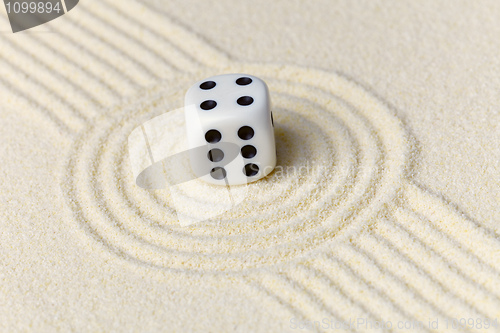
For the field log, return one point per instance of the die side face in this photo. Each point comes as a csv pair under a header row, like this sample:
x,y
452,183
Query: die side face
x,y
232,108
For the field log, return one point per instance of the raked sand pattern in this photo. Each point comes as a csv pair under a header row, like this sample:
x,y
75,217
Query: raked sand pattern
x,y
338,231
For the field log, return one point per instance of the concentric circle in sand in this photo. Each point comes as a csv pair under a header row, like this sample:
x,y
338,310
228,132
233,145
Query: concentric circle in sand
x,y
341,155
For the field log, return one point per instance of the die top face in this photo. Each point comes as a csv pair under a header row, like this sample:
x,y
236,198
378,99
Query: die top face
x,y
228,96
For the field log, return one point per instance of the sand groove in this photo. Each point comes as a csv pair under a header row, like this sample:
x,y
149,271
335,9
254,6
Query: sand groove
x,y
104,20
156,37
418,276
55,79
481,242
371,266
372,299
484,300
462,261
187,43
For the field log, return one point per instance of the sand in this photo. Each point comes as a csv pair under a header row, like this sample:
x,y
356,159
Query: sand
x,y
382,214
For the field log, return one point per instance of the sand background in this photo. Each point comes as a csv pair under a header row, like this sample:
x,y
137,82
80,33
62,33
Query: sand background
x,y
435,64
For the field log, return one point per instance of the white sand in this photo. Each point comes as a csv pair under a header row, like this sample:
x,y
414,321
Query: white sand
x,y
387,113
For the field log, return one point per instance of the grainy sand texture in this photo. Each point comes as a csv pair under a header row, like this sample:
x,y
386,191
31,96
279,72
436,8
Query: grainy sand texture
x,y
382,214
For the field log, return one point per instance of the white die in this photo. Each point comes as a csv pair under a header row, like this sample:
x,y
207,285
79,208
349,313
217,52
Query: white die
x,y
230,116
